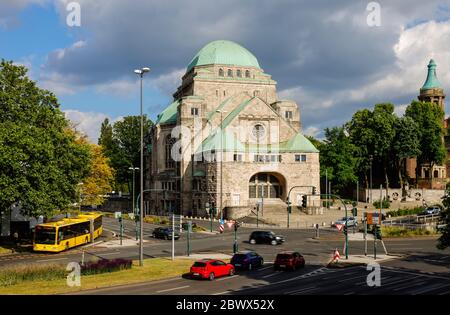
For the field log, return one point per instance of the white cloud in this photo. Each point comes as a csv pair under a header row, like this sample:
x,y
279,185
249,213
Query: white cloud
x,y
88,123
312,131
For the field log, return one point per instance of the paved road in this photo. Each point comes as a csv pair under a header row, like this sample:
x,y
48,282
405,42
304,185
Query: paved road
x,y
313,279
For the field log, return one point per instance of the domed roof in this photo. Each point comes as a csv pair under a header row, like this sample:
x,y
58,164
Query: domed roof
x,y
432,80
223,52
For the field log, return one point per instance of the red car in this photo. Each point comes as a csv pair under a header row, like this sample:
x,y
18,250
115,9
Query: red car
x,y
289,260
211,268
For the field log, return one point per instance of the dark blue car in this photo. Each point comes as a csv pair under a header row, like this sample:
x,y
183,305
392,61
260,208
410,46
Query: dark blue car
x,y
247,260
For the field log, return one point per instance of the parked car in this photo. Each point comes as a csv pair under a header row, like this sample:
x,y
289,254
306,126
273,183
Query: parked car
x,y
289,260
165,233
350,222
211,269
265,237
431,210
247,260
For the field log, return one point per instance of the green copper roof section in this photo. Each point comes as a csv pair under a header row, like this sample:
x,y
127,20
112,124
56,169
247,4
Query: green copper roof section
x,y
199,174
299,143
432,81
223,52
227,120
169,115
213,142
220,107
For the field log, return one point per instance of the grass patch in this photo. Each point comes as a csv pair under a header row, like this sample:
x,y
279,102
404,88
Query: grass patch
x,y
5,251
395,231
153,269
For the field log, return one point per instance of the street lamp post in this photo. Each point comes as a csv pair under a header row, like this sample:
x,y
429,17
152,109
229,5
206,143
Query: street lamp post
x,y
221,161
141,73
370,159
134,206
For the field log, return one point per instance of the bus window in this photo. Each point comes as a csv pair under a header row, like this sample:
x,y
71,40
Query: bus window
x,y
45,235
97,223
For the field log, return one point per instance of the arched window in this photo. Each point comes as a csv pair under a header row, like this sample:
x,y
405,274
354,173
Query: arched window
x,y
230,72
169,142
221,73
436,174
239,73
247,73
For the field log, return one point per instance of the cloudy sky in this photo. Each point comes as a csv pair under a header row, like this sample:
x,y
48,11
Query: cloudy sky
x,y
327,57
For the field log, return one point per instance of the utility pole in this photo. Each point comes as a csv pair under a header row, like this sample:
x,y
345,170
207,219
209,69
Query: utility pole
x,y
326,186
134,205
141,73
173,234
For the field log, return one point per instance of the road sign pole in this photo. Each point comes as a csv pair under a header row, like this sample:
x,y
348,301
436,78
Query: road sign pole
x,y
173,235
365,233
189,238
257,215
121,230
375,243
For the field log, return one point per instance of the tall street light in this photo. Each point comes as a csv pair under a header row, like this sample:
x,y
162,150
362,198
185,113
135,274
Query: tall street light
x,y
134,206
141,73
221,161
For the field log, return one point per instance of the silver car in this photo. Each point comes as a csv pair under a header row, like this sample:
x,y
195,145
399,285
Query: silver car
x,y
351,221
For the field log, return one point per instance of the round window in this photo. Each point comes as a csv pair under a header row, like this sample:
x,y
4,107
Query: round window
x,y
258,131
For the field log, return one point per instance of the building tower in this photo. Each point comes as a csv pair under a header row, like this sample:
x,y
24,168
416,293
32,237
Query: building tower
x,y
432,91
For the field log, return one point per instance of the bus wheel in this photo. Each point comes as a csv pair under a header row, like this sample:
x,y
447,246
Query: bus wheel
x,y
87,240
67,246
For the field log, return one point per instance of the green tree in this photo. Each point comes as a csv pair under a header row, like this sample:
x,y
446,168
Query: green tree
x,y
122,146
382,125
106,137
41,163
404,145
429,118
363,138
337,157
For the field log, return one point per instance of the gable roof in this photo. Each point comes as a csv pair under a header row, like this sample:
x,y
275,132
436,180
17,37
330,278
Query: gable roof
x,y
169,115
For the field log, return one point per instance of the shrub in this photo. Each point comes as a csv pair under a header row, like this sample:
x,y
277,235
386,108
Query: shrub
x,y
106,265
404,212
385,204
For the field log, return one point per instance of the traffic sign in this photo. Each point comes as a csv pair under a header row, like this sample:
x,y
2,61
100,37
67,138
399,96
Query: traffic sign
x,y
117,214
221,228
339,227
373,218
230,224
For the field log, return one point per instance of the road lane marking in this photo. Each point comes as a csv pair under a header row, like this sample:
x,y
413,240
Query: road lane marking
x,y
265,268
430,288
173,289
221,293
271,274
54,259
300,291
230,277
352,278
417,275
106,254
409,285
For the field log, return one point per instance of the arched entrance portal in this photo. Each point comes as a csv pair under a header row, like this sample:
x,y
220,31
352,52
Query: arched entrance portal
x,y
265,185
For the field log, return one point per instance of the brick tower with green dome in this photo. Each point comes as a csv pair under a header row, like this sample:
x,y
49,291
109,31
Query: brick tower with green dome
x,y
432,91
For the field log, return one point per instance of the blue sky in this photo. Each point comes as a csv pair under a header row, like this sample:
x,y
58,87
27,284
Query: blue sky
x,y
324,56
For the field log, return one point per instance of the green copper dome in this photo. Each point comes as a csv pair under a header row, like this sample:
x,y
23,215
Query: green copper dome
x,y
432,81
224,52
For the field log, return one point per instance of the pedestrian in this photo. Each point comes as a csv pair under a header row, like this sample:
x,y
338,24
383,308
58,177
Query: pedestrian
x,y
16,238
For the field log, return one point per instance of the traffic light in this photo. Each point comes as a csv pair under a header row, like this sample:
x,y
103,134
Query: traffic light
x,y
355,212
304,201
377,232
314,190
289,208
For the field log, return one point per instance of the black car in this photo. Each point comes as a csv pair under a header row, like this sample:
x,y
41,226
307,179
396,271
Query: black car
x,y
165,233
247,260
265,237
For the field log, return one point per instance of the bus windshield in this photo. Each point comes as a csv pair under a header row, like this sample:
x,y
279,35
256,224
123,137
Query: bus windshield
x,y
45,235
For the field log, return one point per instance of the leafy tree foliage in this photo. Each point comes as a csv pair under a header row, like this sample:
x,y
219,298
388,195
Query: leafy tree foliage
x,y
444,240
41,162
121,144
337,157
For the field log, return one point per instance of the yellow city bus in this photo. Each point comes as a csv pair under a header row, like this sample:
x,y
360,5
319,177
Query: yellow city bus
x,y
66,233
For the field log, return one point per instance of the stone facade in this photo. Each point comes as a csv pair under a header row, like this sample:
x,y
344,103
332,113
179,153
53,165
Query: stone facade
x,y
227,140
